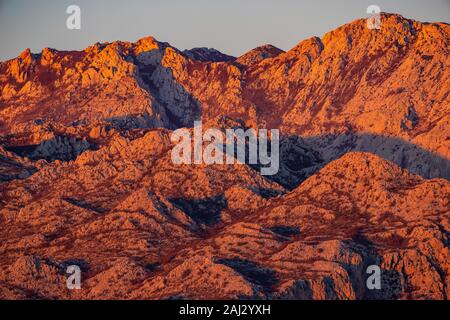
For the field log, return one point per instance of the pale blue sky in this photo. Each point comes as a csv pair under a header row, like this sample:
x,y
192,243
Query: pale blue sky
x,y
232,26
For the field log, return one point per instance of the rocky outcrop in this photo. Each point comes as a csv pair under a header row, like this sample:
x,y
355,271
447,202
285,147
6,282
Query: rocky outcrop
x,y
207,55
57,148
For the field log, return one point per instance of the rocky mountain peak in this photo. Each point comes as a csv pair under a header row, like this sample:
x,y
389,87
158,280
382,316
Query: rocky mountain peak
x,y
259,54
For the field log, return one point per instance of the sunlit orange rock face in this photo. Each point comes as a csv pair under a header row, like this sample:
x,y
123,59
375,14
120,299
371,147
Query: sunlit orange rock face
x,y
86,176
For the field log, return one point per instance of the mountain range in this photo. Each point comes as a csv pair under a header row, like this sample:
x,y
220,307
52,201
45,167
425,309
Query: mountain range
x,y
86,175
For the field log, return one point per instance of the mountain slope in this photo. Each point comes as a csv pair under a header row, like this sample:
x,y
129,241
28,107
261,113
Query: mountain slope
x,y
314,242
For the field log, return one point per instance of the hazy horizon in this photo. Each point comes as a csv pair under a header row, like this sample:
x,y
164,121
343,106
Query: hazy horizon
x,y
234,27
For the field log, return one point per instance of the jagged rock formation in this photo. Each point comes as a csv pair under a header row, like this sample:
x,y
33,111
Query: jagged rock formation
x,y
341,91
207,54
86,175
255,56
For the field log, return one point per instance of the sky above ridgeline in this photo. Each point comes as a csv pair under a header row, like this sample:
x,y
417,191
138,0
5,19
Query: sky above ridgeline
x,y
231,26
